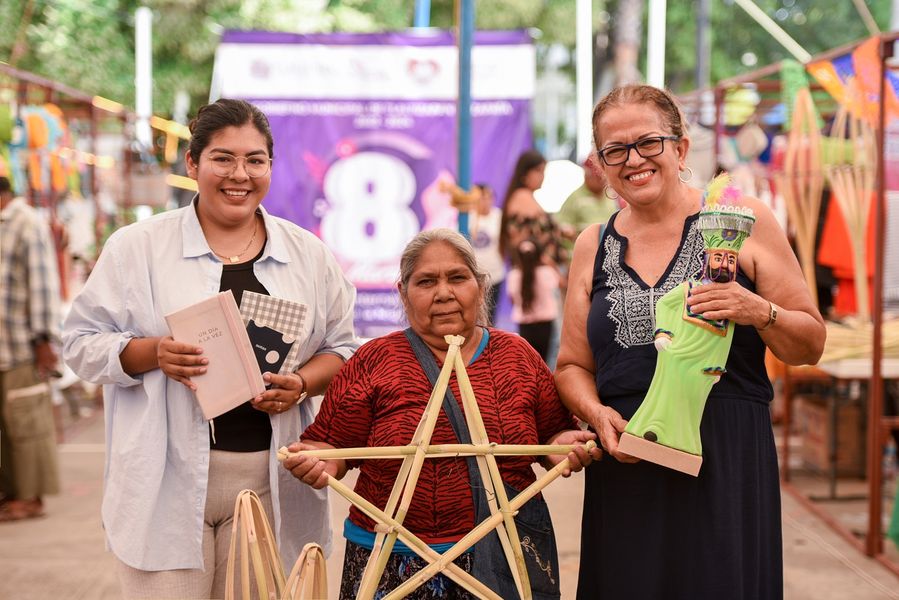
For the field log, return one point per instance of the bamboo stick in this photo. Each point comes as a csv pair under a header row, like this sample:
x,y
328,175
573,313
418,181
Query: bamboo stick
x,y
432,451
412,466
452,570
251,530
476,534
493,481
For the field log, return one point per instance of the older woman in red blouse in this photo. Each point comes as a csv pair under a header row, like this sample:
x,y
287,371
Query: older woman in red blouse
x,y
379,396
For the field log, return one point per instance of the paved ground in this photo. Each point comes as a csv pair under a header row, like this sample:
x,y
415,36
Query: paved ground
x,y
62,556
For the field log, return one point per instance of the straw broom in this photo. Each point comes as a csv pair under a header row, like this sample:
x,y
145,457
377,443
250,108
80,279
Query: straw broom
x,y
802,182
852,183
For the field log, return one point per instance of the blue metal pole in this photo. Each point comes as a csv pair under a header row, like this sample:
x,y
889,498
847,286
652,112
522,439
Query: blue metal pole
x,y
463,107
422,13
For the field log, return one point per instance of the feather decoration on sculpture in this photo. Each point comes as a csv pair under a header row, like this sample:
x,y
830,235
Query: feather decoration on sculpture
x,y
722,210
715,189
721,190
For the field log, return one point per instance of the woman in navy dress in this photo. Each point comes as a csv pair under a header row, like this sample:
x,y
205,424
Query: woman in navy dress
x,y
650,532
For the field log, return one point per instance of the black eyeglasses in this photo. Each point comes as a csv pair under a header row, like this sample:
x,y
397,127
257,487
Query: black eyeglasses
x,y
617,154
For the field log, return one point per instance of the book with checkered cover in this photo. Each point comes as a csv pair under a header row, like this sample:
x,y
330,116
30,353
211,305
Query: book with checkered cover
x,y
282,316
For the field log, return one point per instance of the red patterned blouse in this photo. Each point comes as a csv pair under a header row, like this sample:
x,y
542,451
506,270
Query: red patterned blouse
x,y
379,396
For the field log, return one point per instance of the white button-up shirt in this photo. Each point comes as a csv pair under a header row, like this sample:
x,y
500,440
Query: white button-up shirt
x,y
157,441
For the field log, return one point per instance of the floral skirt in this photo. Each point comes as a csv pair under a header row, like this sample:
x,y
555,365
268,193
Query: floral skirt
x,y
400,567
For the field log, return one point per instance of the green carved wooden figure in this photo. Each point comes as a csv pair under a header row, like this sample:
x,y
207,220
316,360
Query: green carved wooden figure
x,y
692,350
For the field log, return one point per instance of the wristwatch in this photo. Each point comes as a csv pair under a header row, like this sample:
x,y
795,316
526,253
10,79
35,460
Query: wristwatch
x,y
772,316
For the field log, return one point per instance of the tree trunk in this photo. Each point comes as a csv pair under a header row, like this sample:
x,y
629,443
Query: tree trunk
x,y
628,34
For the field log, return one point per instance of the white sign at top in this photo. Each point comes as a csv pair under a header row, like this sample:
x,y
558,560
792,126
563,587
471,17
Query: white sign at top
x,y
309,71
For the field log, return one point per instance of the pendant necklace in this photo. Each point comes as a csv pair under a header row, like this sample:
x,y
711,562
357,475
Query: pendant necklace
x,y
236,258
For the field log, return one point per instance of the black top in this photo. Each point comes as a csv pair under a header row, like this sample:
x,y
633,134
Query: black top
x,y
244,428
622,311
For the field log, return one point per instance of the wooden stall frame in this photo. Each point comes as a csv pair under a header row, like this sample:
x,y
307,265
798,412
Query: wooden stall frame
x,y
97,108
878,425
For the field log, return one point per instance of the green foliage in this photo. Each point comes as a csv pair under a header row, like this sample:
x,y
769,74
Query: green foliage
x,y
815,25
89,44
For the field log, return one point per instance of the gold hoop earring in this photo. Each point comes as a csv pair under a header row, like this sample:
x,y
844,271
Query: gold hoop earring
x,y
610,192
689,177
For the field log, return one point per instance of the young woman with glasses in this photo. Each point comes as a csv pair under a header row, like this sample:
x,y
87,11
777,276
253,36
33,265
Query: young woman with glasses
x,y
171,477
647,531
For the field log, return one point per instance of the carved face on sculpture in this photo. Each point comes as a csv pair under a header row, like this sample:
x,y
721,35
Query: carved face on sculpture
x,y
721,266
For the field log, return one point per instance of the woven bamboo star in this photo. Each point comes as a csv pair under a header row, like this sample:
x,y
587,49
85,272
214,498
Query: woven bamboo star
x,y
389,522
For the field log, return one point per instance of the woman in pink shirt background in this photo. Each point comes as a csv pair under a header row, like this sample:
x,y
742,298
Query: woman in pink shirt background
x,y
533,284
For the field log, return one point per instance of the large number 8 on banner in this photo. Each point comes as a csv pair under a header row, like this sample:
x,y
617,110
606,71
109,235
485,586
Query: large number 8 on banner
x,y
370,219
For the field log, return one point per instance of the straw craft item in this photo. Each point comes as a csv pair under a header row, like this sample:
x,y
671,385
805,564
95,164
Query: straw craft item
x,y
852,177
258,550
802,182
309,577
389,522
853,339
464,202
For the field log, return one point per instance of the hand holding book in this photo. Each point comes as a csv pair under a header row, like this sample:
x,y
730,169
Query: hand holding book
x,y
285,392
232,376
215,356
180,361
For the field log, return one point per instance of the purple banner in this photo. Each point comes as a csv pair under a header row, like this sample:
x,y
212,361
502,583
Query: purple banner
x,y
363,174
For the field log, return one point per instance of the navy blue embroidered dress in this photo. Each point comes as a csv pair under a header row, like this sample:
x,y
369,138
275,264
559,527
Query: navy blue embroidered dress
x,y
650,532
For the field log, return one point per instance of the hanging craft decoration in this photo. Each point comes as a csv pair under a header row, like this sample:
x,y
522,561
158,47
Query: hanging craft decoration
x,y
389,522
693,350
851,173
802,182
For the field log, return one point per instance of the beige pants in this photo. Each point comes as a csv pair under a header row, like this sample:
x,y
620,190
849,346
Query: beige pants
x,y
29,456
229,474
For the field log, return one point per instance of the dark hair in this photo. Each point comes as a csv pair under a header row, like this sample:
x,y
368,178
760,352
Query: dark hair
x,y
483,187
528,256
5,185
529,160
662,100
455,240
226,112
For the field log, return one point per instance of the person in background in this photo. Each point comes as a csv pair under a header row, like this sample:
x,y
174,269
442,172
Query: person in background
x,y
485,241
533,285
586,205
170,485
647,531
523,218
377,399
29,328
